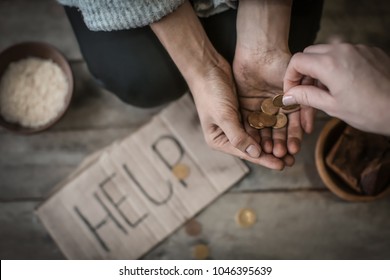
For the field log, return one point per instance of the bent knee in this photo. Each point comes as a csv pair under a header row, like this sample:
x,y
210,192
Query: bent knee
x,y
143,93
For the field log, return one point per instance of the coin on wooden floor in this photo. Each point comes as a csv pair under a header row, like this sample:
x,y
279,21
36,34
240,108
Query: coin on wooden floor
x,y
254,120
268,107
281,121
200,252
294,107
267,120
193,227
245,217
278,101
181,171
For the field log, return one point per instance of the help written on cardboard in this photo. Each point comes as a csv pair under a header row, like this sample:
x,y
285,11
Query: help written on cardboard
x,y
125,199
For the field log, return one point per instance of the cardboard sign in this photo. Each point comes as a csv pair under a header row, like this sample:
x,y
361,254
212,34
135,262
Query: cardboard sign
x,y
125,199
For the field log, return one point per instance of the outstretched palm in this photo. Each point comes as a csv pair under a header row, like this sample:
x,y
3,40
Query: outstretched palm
x,y
219,114
260,77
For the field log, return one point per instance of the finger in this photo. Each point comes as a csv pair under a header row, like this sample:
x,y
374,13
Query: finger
x,y
289,160
307,115
266,160
294,133
254,133
239,138
279,138
266,140
310,96
320,48
304,64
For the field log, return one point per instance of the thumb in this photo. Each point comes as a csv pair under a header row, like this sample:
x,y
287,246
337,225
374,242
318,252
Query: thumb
x,y
308,95
240,139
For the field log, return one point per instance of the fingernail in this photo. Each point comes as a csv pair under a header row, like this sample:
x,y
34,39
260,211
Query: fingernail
x,y
288,100
253,151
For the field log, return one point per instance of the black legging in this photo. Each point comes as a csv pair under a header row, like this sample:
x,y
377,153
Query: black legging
x,y
135,66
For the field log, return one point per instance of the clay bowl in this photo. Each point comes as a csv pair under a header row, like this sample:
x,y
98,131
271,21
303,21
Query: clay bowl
x,y
328,137
40,50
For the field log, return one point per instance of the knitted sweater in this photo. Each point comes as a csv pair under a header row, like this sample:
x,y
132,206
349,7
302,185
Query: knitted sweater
x,y
108,15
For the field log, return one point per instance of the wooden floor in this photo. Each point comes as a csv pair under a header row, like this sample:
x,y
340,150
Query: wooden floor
x,y
298,218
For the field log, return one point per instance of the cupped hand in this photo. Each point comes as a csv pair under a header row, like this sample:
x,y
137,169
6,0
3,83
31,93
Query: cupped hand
x,y
216,101
259,76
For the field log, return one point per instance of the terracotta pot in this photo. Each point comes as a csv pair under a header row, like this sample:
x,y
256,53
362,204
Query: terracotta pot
x,y
328,137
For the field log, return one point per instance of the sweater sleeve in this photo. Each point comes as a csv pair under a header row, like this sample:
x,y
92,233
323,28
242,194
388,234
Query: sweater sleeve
x,y
206,8
108,15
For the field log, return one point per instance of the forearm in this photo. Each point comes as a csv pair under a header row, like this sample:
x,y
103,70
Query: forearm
x,y
182,35
263,25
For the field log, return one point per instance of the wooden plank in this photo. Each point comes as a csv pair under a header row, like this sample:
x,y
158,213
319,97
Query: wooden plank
x,y
291,225
44,20
31,166
22,236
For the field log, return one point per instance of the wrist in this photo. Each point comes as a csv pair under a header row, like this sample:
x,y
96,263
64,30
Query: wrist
x,y
261,60
263,25
182,35
196,64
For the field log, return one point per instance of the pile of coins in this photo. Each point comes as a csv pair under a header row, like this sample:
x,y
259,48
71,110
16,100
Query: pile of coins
x,y
269,115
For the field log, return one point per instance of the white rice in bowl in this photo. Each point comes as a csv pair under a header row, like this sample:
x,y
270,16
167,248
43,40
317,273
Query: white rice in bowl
x,y
32,92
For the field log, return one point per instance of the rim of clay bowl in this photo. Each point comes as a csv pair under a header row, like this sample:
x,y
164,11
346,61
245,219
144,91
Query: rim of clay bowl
x,y
333,182
41,50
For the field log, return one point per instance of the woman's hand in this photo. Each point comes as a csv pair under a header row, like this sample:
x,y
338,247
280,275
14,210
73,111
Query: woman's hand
x,y
352,83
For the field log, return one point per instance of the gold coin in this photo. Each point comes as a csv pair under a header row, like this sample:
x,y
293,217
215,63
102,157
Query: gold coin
x,y
267,120
294,107
278,101
281,121
193,227
268,107
181,171
246,217
200,252
254,120
260,125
